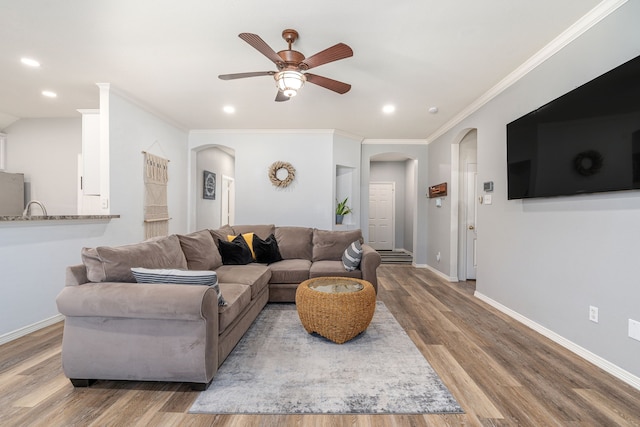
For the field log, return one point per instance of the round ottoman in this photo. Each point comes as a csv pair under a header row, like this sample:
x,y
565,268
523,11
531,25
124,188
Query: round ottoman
x,y
338,308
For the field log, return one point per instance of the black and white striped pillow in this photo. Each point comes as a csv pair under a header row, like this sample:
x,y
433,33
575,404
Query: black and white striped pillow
x,y
179,277
352,256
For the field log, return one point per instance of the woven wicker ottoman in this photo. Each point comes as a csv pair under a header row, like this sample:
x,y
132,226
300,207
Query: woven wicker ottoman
x,y
338,308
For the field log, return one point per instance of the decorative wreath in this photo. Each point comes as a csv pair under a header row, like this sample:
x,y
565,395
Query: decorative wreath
x,y
588,162
273,174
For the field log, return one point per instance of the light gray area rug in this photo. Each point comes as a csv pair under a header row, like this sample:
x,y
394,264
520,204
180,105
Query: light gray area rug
x,y
278,368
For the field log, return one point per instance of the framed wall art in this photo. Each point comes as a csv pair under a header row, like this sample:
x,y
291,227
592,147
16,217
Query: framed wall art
x,y
209,185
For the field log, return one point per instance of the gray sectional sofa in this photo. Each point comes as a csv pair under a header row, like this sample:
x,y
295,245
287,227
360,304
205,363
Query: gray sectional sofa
x,y
117,329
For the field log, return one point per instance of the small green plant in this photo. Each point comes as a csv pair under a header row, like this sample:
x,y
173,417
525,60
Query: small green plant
x,y
342,208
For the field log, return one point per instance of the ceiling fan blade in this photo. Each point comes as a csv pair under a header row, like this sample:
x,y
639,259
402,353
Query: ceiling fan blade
x,y
333,53
328,83
244,75
261,46
280,97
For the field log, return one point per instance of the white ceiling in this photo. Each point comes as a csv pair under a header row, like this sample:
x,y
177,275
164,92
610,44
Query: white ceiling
x,y
167,54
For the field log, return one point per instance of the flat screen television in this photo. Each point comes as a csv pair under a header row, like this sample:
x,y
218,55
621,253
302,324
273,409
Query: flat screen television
x,y
586,141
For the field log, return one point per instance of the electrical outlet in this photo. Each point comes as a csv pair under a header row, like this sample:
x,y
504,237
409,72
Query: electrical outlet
x,y
104,203
634,329
438,257
593,314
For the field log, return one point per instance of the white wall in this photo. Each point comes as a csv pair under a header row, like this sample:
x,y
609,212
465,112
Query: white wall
x,y
133,130
549,259
308,201
46,151
346,160
33,255
214,160
411,197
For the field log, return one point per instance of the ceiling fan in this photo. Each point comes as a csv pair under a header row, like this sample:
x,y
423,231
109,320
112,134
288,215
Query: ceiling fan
x,y
291,64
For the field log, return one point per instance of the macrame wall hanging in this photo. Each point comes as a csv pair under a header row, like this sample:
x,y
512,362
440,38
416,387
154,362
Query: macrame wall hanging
x,y
156,209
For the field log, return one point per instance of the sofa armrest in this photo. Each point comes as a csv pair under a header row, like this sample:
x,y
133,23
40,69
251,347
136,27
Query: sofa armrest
x,y
139,300
76,275
368,265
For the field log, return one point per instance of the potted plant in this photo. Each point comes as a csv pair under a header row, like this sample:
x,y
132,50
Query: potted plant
x,y
341,210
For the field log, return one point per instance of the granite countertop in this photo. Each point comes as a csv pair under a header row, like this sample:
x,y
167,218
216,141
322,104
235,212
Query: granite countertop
x,y
19,218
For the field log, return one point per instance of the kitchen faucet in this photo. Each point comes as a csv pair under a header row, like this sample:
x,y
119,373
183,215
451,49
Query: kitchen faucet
x,y
27,211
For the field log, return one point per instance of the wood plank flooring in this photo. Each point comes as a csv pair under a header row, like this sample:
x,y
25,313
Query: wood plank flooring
x,y
501,372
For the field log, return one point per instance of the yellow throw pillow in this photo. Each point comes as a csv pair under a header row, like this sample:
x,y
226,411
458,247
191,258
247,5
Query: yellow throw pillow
x,y
248,237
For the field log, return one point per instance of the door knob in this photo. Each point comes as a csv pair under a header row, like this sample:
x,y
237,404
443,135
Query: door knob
x,y
471,227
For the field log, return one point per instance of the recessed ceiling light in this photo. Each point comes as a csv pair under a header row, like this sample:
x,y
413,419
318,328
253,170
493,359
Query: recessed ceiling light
x,y
433,110
229,109
30,62
388,109
49,94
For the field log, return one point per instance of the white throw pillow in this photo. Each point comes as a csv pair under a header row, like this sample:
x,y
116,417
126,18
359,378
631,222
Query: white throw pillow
x,y
179,277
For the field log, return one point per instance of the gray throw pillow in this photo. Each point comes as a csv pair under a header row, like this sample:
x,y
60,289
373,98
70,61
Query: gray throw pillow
x,y
352,256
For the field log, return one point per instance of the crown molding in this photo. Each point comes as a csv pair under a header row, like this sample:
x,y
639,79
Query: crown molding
x,y
394,141
142,105
261,131
582,25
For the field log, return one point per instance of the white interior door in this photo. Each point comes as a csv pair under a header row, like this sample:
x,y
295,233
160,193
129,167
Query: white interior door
x,y
227,207
381,215
471,192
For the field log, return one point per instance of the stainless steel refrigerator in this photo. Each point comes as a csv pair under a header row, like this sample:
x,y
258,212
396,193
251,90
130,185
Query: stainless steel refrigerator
x,y
11,194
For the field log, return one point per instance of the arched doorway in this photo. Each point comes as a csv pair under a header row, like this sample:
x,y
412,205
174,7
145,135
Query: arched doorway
x,y
213,212
464,175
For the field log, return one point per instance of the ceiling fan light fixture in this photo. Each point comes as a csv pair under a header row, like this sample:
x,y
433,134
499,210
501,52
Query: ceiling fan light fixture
x,y
289,82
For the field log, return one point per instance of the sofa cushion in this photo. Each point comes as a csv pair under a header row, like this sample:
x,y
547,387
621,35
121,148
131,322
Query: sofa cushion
x,y
295,242
332,268
253,275
238,298
290,271
352,256
266,251
221,233
262,230
200,250
329,245
179,277
235,252
113,264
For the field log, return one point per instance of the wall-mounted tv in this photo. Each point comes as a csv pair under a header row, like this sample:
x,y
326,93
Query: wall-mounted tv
x,y
586,141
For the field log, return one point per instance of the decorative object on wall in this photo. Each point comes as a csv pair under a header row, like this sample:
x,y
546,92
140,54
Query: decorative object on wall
x,y
209,185
281,181
156,208
341,210
439,190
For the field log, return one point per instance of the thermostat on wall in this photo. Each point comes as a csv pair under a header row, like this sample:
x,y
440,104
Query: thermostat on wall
x,y
488,186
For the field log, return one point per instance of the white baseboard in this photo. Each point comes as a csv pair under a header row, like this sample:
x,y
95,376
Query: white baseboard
x,y
604,364
438,272
10,336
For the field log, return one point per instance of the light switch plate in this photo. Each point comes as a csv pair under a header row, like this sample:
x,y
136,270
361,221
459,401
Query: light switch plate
x,y
634,329
487,199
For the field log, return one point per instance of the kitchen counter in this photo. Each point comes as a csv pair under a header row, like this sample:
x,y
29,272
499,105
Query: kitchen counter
x,y
19,218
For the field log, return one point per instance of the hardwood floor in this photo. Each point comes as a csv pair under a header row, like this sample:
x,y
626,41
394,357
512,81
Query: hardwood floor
x,y
501,372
